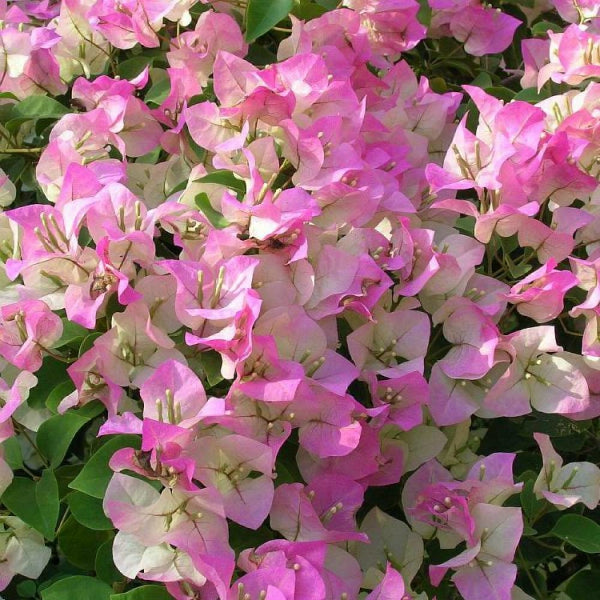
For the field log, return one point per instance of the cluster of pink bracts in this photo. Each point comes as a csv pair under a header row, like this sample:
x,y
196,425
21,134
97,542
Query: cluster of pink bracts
x,y
338,276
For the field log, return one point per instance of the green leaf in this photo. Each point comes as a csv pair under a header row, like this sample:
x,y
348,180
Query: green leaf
x,y
438,85
516,270
211,365
88,511
579,586
226,178
541,28
261,15
39,107
43,126
36,504
483,80
46,497
51,373
425,12
88,342
579,531
58,394
132,67
158,93
105,566
531,95
145,592
242,537
95,475
72,332
13,125
12,453
78,587
308,10
80,544
500,92
260,56
150,158
556,426
20,488
90,410
531,505
460,65
56,434
64,475
27,589
466,225
216,219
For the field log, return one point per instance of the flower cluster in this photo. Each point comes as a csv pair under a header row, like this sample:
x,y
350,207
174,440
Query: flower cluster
x,y
268,308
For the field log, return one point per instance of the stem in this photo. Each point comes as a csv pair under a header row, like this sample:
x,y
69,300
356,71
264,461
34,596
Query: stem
x,y
62,521
23,430
21,150
534,585
59,357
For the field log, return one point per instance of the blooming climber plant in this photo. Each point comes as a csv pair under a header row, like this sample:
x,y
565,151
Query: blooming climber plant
x,y
299,299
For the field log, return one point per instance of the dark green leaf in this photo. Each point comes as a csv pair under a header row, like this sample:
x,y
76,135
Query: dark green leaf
x,y
56,434
145,592
531,505
483,80
13,125
80,544
132,67
553,425
531,95
88,511
261,15
579,531
38,107
242,537
104,565
64,475
58,394
541,28
502,93
12,453
72,332
50,375
27,589
88,342
580,585
46,497
36,504
78,587
308,10
43,126
260,56
90,410
95,475
204,206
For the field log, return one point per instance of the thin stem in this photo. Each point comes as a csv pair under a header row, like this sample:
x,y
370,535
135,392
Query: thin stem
x,y
534,585
23,430
21,150
59,357
63,520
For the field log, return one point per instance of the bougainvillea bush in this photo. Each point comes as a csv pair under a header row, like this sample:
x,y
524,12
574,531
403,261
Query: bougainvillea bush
x,y
299,300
